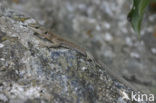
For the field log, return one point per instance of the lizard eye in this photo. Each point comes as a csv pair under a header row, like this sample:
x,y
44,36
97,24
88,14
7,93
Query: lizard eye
x,y
37,27
46,32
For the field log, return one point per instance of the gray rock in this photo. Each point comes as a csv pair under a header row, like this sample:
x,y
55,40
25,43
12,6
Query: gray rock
x,y
33,74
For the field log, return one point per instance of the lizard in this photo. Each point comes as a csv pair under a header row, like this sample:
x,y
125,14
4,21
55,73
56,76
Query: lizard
x,y
57,41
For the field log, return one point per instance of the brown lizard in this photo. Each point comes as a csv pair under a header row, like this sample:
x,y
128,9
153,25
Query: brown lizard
x,y
57,41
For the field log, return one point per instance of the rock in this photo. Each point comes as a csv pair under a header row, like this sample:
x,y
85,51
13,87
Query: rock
x,y
33,74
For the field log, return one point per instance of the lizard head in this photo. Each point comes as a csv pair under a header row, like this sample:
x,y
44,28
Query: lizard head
x,y
38,29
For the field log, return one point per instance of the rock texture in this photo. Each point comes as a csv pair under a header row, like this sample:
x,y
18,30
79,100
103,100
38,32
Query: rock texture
x,y
102,27
33,74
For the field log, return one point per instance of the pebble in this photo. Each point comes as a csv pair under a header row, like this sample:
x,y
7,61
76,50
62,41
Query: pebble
x,y
153,50
83,68
109,54
82,6
1,45
98,28
2,59
3,98
150,29
152,18
129,41
106,25
108,37
69,7
134,55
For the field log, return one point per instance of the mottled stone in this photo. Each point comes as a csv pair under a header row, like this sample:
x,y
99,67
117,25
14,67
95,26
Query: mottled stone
x,y
31,73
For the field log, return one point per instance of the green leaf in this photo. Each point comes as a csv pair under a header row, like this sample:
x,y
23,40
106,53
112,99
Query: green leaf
x,y
136,14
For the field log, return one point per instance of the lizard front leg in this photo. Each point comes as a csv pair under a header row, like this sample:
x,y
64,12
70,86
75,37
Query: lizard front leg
x,y
49,44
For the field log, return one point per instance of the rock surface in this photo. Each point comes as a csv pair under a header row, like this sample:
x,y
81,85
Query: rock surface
x,y
102,27
33,74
